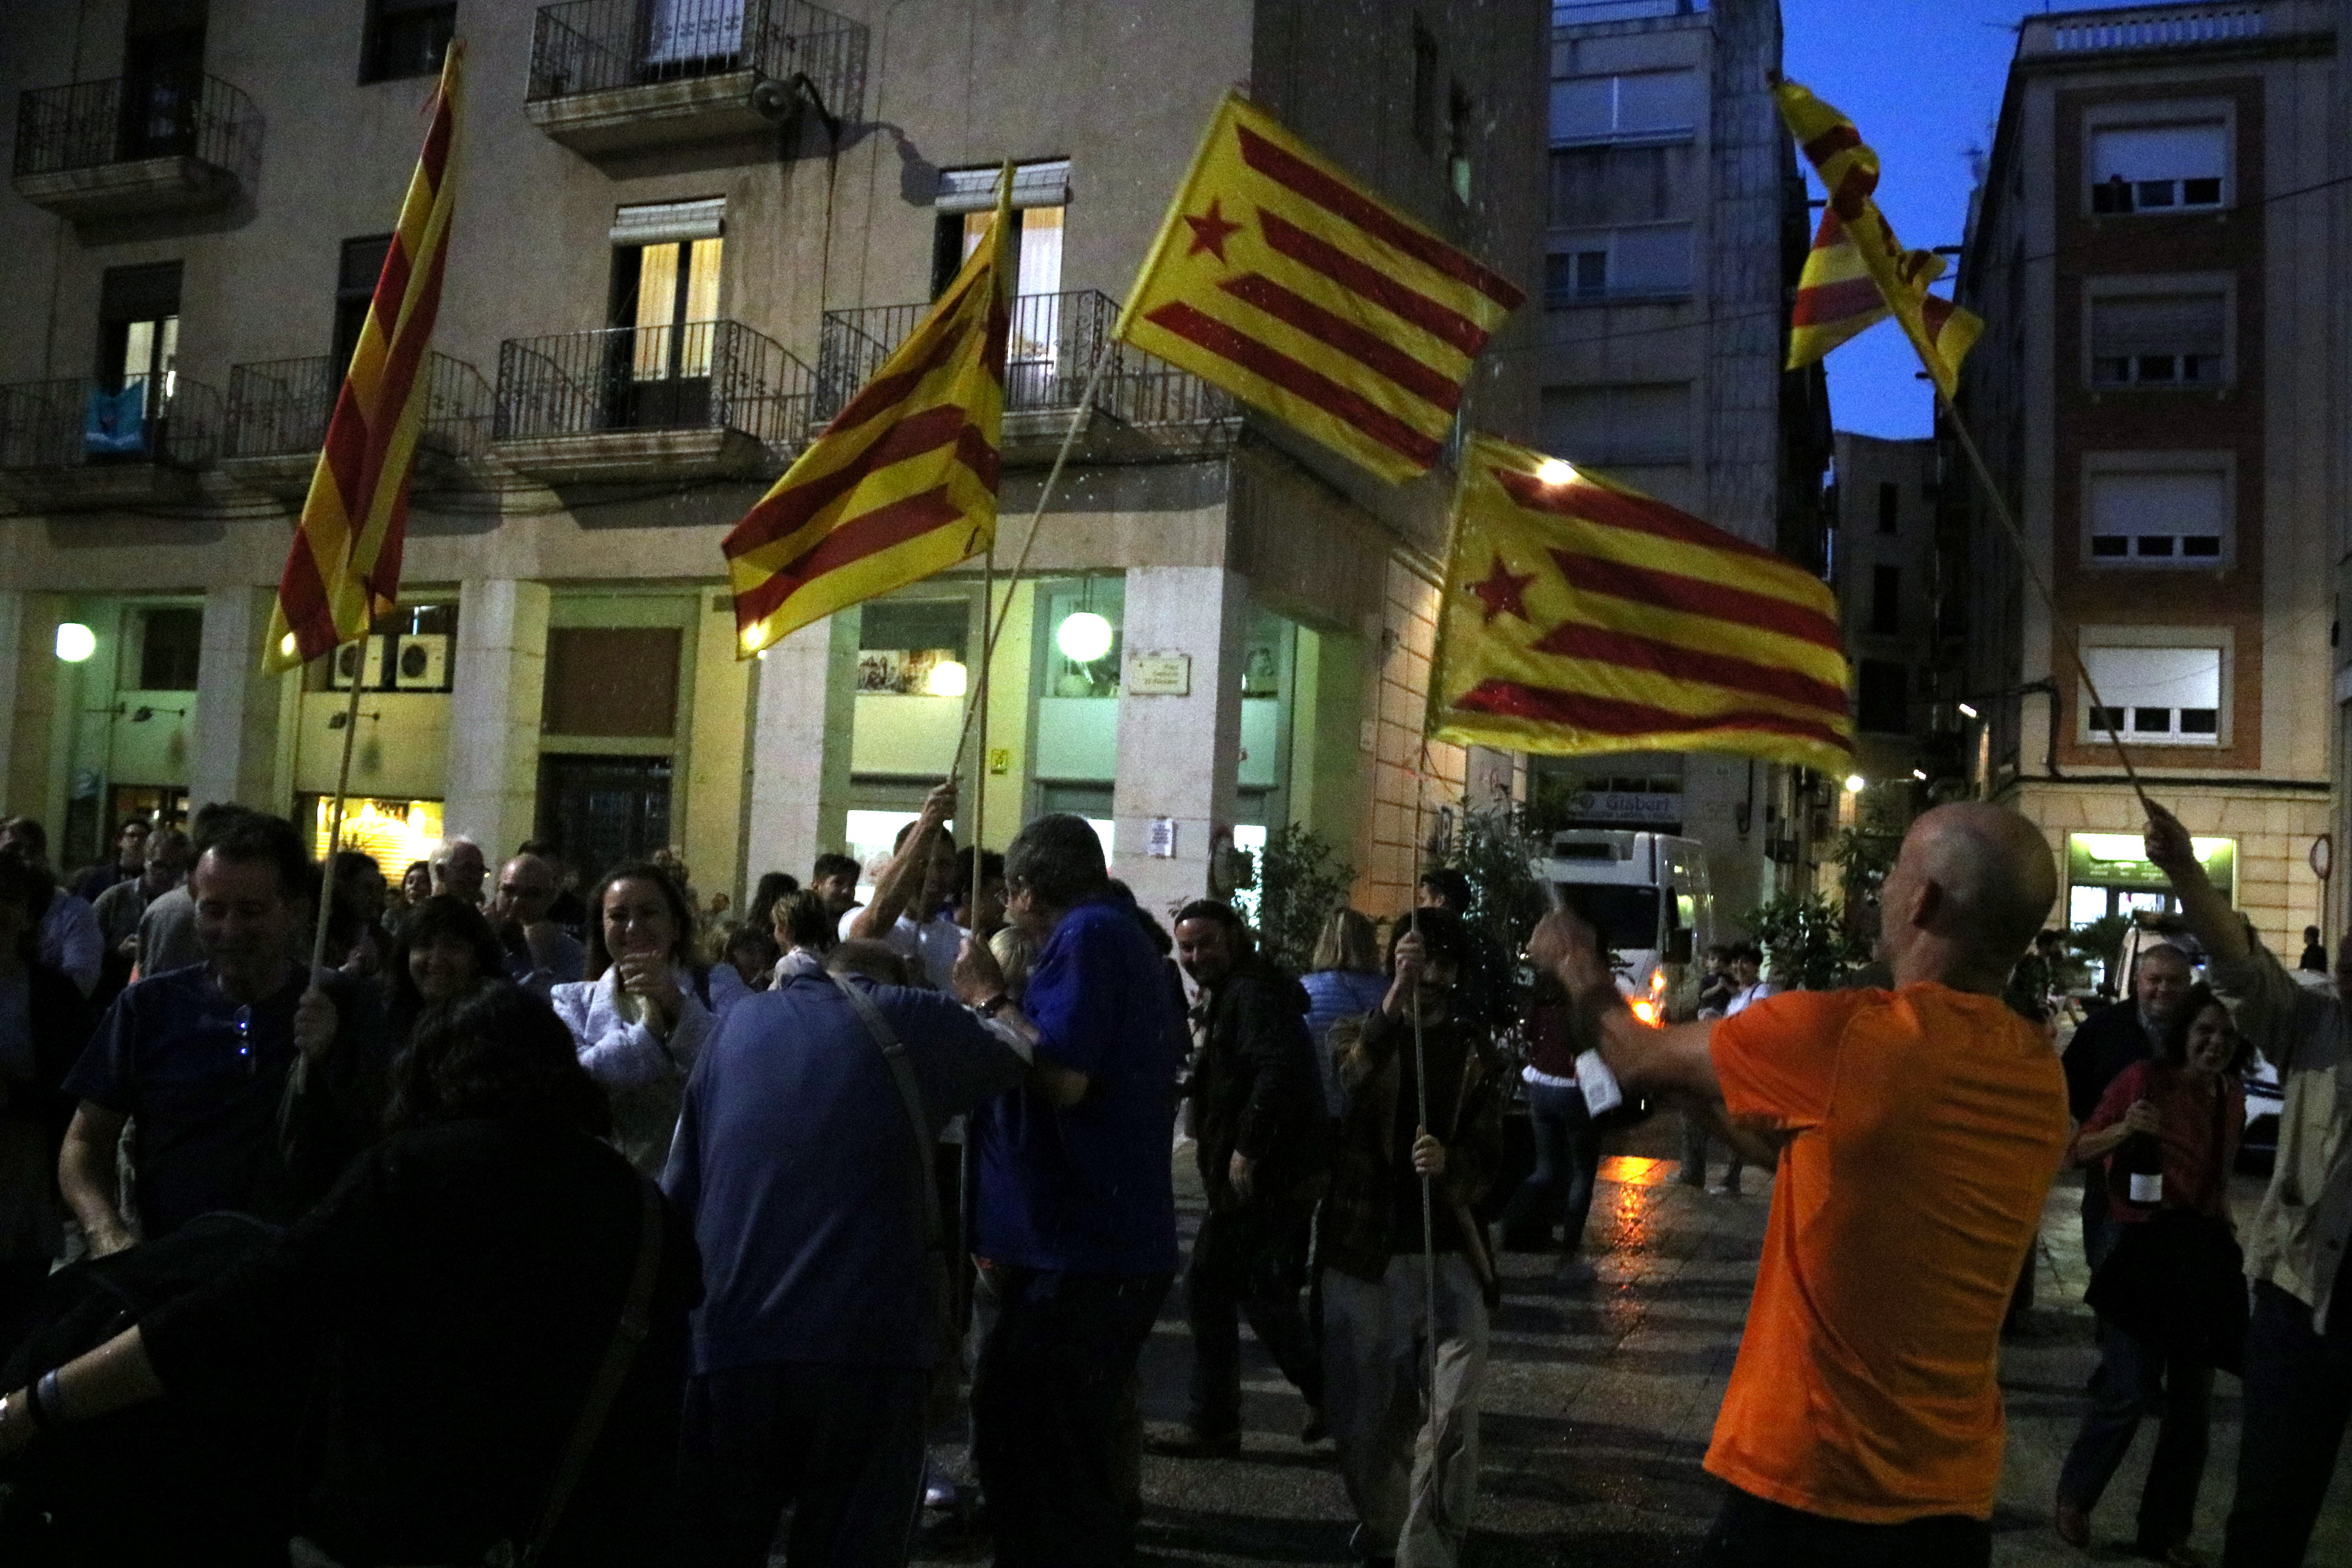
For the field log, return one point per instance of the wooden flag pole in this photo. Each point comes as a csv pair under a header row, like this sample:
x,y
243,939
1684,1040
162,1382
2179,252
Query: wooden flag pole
x,y
1421,1121
2042,587
335,817
980,757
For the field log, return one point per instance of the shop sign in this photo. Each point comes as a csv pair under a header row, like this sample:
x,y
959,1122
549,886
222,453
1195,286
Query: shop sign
x,y
2120,860
1642,809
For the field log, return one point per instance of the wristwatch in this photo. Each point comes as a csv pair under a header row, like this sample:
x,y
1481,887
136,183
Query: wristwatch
x,y
993,1006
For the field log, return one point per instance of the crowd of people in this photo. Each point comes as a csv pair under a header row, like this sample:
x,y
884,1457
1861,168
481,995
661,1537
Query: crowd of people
x,y
588,1229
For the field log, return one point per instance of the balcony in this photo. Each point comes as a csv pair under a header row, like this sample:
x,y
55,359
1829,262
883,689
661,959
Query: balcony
x,y
170,142
627,405
69,445
1144,405
617,76
278,409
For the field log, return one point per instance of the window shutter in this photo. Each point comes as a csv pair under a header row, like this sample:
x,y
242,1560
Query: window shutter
x,y
2136,153
1044,184
2131,325
664,221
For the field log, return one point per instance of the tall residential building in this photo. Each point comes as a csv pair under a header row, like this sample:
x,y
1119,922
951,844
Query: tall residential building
x,y
2157,253
1884,568
686,231
1679,224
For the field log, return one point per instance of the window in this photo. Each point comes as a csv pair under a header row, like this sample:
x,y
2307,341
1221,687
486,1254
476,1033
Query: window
x,y
170,638
406,37
966,199
1606,186
1885,600
355,278
2160,518
2159,168
2170,696
665,259
1424,88
1652,262
2160,340
612,680
1890,505
691,38
1883,704
1621,424
1461,117
1610,107
138,355
914,648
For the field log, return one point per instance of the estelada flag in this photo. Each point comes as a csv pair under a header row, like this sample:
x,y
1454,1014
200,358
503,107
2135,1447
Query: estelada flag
x,y
1579,616
344,570
902,483
1284,281
1858,273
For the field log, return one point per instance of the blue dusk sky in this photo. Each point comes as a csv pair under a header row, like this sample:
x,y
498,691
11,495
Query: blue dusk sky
x,y
1922,82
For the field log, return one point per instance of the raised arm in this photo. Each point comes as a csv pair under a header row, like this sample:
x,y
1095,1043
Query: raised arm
x,y
2209,914
902,878
1676,1059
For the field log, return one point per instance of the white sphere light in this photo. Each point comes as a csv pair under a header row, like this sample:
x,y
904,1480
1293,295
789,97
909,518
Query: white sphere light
x,y
76,642
1083,638
947,678
1553,472
1855,783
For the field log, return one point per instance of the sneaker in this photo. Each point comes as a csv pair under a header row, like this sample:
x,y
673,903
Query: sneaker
x,y
1725,1189
2073,1521
1195,1445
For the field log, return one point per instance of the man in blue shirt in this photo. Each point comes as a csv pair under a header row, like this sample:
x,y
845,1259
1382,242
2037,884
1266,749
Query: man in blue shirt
x,y
203,1058
815,1344
1074,1217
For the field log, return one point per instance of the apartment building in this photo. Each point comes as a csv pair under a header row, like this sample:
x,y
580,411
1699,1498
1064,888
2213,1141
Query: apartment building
x,y
2158,258
687,231
1677,224
1882,565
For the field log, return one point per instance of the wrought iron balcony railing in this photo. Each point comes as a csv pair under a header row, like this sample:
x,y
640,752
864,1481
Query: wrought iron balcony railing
x,y
594,46
693,375
74,421
122,120
280,408
1049,356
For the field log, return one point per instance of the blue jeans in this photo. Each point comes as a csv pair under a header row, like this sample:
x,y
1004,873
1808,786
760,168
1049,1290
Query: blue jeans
x,y
1568,1157
1751,1533
2298,1393
2137,1378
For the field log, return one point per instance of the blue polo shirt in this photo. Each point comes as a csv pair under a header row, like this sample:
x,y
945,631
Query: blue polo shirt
x,y
1088,1189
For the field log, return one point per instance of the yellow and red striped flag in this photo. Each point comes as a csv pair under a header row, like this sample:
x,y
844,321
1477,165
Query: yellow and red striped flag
x,y
902,483
344,570
1284,281
1579,616
1858,273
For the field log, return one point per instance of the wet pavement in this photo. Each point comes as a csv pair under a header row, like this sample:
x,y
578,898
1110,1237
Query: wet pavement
x,y
1600,1399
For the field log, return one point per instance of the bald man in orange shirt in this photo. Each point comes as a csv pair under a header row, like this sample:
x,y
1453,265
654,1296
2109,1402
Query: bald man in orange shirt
x,y
1917,1132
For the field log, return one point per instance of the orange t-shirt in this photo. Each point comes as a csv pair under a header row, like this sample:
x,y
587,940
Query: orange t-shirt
x,y
1928,1123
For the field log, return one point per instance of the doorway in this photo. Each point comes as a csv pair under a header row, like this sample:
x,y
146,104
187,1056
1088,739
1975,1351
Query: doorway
x,y
602,812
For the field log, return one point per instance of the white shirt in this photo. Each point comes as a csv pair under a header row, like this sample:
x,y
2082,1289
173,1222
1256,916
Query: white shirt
x,y
932,945
71,941
646,1074
1756,993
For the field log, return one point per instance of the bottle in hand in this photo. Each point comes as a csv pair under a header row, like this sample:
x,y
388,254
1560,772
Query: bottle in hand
x,y
2139,1170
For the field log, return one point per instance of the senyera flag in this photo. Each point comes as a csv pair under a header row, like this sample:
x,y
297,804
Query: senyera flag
x,y
344,570
903,482
1857,272
1579,616
1281,279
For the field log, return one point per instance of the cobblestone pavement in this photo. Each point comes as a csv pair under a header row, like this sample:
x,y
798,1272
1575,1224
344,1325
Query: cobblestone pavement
x,y
1600,1400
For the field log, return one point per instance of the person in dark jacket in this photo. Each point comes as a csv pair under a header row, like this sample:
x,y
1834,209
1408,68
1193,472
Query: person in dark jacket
x,y
1263,1144
459,1289
2111,1040
43,1022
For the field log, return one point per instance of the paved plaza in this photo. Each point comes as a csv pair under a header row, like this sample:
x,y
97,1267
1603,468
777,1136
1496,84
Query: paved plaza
x,y
1600,1400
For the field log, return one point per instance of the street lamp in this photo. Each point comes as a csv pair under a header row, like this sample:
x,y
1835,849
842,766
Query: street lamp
x,y
1083,638
1855,784
76,642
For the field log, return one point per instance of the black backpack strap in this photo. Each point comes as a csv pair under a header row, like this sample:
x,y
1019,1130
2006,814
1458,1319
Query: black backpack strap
x,y
620,1353
927,1187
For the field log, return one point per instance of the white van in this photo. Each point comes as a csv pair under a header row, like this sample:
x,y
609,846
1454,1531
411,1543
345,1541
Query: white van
x,y
1647,895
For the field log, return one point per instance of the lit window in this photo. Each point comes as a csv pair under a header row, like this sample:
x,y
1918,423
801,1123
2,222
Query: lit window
x,y
665,261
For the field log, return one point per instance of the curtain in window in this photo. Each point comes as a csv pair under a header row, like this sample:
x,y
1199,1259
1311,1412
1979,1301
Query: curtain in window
x,y
688,32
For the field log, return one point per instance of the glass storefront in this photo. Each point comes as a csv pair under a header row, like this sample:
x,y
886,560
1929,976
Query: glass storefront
x,y
2109,873
396,832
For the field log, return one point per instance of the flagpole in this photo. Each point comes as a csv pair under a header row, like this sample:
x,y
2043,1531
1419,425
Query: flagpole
x,y
335,817
2041,586
1420,1091
980,757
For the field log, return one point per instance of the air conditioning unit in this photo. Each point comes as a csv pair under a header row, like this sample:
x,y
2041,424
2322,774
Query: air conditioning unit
x,y
347,664
422,663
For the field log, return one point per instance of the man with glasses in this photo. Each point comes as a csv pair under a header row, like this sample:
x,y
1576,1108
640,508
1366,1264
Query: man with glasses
x,y
205,1058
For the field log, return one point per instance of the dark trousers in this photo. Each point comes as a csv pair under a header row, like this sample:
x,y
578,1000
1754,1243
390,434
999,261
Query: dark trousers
x,y
1753,1533
1246,1263
1568,1161
2138,1377
841,1446
2298,1393
1048,1404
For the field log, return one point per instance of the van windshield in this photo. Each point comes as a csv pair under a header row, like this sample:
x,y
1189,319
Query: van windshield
x,y
1625,917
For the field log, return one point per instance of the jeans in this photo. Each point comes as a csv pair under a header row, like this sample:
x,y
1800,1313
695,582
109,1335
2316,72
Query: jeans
x,y
2137,1378
1695,1128
1411,1468
2298,1393
1050,1411
1246,1261
841,1446
1568,1157
1751,1533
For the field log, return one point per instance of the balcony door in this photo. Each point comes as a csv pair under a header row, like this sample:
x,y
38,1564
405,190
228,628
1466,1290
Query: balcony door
x,y
137,350
1035,357
665,310
691,38
163,78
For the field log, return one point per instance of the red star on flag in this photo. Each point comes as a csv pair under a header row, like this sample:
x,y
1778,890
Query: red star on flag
x,y
1210,230
1504,591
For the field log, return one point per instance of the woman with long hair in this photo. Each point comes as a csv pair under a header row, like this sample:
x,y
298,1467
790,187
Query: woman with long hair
x,y
1343,980
445,952
2186,1102
458,1292
640,1019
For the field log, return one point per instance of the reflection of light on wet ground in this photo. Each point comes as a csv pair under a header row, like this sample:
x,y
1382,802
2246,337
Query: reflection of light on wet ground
x,y
1636,1173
